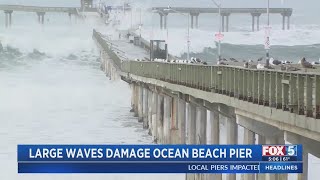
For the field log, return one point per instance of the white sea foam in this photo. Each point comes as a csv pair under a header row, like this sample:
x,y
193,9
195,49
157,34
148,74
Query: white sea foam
x,y
200,39
59,100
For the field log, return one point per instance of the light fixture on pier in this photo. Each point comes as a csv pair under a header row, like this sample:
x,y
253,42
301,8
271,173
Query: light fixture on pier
x,y
267,36
219,35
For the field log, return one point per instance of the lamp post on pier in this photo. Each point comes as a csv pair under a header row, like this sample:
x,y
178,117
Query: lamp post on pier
x,y
219,36
267,34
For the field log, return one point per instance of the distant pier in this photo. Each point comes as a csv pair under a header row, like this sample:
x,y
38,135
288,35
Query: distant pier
x,y
225,14
86,6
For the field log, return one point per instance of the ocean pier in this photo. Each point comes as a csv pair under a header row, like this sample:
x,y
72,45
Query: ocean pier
x,y
225,14
86,6
172,101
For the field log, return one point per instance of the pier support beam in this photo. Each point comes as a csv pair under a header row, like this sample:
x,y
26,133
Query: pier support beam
x,y
167,119
149,107
309,146
154,106
174,121
182,120
145,108
191,123
258,23
8,18
70,17
140,103
197,21
132,86
201,132
161,20
201,125
277,139
260,128
261,140
283,22
267,135
249,138
191,131
304,175
232,130
222,23
252,26
135,99
225,22
160,109
191,24
284,16
194,24
232,138
165,21
254,16
215,138
41,17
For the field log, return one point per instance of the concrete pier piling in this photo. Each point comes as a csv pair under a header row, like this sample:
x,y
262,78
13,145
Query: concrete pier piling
x,y
140,103
161,21
165,20
309,147
145,108
132,97
8,18
167,119
182,120
254,17
201,125
261,140
285,16
225,22
249,138
215,138
232,130
149,107
194,22
304,175
160,116
174,122
154,107
191,130
41,17
136,100
191,123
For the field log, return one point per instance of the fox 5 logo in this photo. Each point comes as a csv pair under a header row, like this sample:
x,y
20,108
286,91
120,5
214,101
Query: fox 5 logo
x,y
279,150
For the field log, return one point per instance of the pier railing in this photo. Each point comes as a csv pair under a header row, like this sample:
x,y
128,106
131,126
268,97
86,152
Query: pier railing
x,y
107,48
296,92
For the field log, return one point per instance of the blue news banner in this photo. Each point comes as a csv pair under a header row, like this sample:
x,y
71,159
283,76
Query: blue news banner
x,y
159,159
